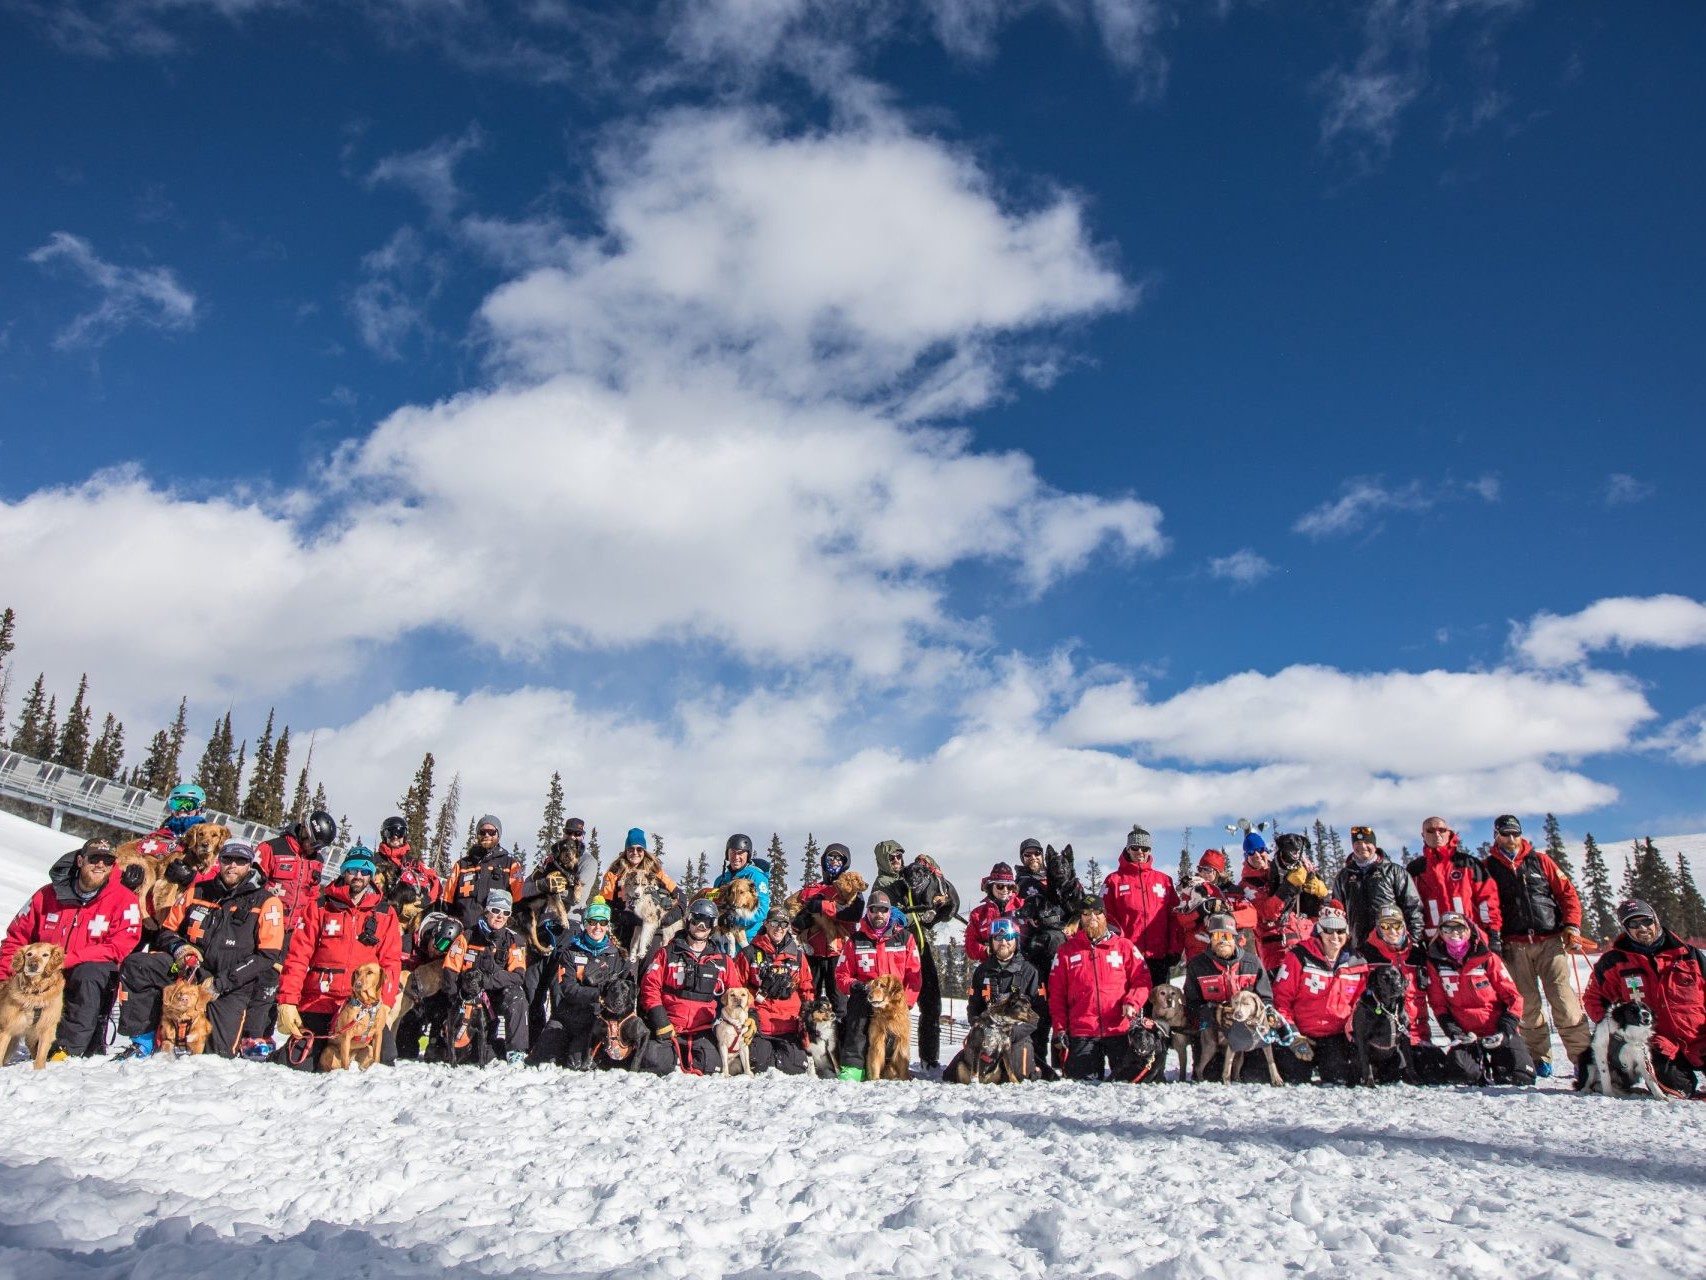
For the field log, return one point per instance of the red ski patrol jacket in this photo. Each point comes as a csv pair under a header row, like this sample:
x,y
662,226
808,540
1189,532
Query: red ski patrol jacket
x,y
681,986
1671,982
106,928
1091,984
1317,997
1476,992
337,937
868,955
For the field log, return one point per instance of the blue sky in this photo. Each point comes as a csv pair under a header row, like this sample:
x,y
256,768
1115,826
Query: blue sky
x,y
954,421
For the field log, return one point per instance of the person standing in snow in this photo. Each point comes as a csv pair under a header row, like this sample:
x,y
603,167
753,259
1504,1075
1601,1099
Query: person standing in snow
x,y
1369,882
922,894
398,863
1449,880
97,922
1142,904
1540,919
820,900
635,856
486,866
882,944
1000,902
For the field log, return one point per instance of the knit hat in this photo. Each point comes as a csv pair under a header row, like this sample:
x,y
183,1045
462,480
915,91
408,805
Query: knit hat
x,y
1634,909
1253,843
487,820
1029,843
1137,838
357,859
597,909
1507,824
635,837
1000,873
1221,923
1214,859
501,899
1365,834
1332,918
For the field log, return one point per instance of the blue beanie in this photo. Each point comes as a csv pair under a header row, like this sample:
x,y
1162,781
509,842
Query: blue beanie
x,y
635,837
357,859
1253,842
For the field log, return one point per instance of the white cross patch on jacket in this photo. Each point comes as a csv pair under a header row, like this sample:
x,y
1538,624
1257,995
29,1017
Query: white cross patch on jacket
x,y
1316,982
1449,982
1160,890
334,926
98,926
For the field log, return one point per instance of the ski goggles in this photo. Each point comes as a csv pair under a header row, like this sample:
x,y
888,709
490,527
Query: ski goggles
x,y
183,804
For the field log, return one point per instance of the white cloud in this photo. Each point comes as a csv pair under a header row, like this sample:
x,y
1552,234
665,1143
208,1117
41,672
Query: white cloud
x,y
1684,740
1622,490
1361,499
1487,487
150,297
1242,568
1624,623
392,303
431,172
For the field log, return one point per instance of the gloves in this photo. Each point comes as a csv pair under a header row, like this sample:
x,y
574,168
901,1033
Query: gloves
x,y
1058,1042
665,1032
1296,876
1494,1041
556,882
1572,938
1508,1024
186,961
1418,953
775,984
178,872
1316,887
289,1021
1496,944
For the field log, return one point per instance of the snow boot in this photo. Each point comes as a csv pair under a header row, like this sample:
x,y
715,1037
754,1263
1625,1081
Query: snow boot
x,y
1543,1069
851,1073
141,1046
255,1049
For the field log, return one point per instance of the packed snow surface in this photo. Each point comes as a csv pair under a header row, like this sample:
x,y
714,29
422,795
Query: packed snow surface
x,y
205,1167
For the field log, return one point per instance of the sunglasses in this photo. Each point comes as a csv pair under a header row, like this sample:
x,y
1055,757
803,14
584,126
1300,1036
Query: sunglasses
x,y
498,911
227,861
1335,932
1455,930
487,831
105,859
1641,922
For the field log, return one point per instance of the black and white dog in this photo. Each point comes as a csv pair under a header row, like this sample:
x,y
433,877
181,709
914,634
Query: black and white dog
x,y
1381,1027
1620,1056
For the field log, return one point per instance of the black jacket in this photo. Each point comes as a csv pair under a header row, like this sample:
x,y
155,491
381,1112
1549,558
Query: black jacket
x,y
1383,883
992,980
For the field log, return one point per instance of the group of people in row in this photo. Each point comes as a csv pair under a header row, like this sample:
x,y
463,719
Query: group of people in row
x,y
1479,945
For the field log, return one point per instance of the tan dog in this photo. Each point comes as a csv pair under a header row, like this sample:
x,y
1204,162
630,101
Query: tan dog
x,y
734,1030
1243,1018
1167,1007
357,1031
737,904
183,1015
643,895
32,1000
888,1043
848,886
200,846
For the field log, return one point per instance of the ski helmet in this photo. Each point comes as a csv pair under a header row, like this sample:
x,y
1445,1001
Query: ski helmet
x,y
738,842
703,911
393,830
186,798
322,829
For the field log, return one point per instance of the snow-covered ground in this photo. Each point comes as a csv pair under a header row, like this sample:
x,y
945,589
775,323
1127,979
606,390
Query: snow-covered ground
x,y
198,1166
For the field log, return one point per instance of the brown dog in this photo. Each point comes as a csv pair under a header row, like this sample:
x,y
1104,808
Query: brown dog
x,y
983,1059
31,1001
1240,1027
1167,1007
888,1042
183,1015
848,886
734,1030
737,904
358,1030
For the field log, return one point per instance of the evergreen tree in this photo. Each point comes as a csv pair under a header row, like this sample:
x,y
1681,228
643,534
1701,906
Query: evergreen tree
x,y
106,757
1186,867
416,804
32,720
8,642
153,766
1691,907
444,830
1338,849
232,786
702,874
173,774
592,847
1555,846
273,811
1093,875
1629,886
778,869
555,814
50,729
218,771
302,799
345,836
255,802
1598,906
319,802
1324,854
73,751
1656,882
813,857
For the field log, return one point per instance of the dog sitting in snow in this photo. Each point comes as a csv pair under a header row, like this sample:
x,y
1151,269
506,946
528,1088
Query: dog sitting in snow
x,y
619,1036
1167,1008
357,1031
184,1024
1240,1026
735,1028
818,1019
1620,1056
1381,1027
32,1000
983,1059
888,1042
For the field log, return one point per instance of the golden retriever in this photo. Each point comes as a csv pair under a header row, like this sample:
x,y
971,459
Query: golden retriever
x,y
141,866
888,1042
357,1032
848,886
735,1029
183,1015
31,1001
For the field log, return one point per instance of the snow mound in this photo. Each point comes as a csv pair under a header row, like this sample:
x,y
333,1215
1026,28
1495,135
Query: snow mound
x,y
208,1167
27,850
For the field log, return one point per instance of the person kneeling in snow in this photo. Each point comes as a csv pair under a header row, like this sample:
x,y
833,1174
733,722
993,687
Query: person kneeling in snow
x,y
1098,985
1002,973
485,970
774,969
679,994
351,925
1212,978
576,972
882,944
1650,964
1478,1007
1315,989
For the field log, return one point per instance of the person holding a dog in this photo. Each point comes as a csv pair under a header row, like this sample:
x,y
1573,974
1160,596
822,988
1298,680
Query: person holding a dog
x,y
924,896
352,924
737,861
774,969
543,903
679,992
398,863
1650,965
1540,917
581,965
881,945
229,930
1142,904
484,971
1207,894
636,855
1001,973
1216,974
1000,902
1315,990
1477,1006
823,952
486,866
97,922
1097,988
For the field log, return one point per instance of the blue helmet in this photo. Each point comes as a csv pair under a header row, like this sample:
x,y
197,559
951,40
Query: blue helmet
x,y
186,798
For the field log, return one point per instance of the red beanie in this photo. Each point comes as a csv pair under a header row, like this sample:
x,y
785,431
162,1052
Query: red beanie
x,y
1213,858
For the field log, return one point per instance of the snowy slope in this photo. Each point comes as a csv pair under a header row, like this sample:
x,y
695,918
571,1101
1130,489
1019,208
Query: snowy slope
x,y
1617,852
27,850
202,1167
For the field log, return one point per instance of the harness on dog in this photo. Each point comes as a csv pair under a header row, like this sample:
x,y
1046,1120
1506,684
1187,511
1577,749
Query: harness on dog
x,y
615,1046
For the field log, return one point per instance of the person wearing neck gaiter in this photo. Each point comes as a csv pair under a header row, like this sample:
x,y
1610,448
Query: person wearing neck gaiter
x,y
1477,1006
1650,964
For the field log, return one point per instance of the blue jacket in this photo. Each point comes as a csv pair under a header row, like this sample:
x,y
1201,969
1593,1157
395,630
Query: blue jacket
x,y
755,924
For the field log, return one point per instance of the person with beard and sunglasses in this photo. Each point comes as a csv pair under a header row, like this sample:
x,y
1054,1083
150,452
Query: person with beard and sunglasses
x,y
351,925
679,992
881,945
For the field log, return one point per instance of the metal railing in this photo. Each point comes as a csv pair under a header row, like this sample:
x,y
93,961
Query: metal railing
x,y
65,790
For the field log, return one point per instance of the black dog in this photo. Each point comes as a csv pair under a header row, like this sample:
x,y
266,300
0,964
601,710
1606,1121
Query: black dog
x,y
464,1038
1148,1045
619,1035
1381,1027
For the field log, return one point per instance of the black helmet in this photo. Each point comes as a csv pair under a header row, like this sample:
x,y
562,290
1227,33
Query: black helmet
x,y
322,829
738,842
393,829
703,911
